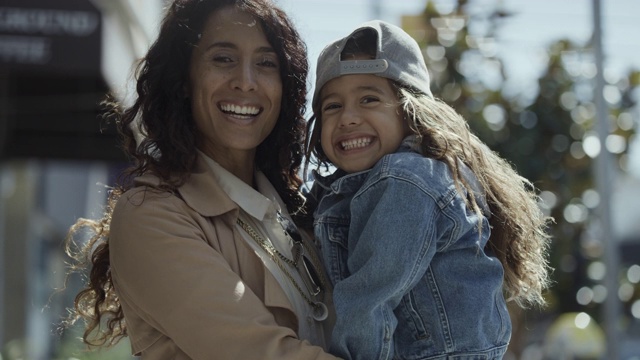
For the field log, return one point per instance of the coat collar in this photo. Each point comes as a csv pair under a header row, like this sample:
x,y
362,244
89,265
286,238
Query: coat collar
x,y
201,191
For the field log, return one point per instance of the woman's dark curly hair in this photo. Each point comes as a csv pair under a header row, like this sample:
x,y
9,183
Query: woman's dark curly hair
x,y
167,148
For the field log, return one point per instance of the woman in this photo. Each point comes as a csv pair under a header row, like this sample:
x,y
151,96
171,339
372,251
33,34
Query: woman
x,y
198,258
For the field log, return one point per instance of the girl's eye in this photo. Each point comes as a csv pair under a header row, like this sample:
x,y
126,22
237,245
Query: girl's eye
x,y
330,106
369,99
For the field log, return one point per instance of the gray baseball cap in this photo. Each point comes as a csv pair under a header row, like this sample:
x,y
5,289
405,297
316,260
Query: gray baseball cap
x,y
398,57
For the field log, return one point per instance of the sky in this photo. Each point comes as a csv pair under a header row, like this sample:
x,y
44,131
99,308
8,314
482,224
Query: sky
x,y
523,38
521,42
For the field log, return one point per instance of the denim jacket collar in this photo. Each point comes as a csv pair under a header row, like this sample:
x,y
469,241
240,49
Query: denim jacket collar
x,y
341,182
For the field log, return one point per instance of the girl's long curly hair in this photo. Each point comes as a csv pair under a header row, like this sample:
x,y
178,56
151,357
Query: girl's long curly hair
x,y
519,230
167,145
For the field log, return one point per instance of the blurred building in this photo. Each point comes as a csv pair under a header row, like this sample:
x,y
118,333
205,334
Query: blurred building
x,y
58,60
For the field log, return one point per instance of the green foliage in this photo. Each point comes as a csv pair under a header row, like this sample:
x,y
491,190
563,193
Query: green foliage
x,y
72,348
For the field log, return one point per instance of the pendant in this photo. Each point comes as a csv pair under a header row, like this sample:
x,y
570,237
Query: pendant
x,y
320,311
296,252
309,276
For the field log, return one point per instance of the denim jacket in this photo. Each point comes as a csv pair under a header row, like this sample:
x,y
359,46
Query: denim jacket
x,y
412,277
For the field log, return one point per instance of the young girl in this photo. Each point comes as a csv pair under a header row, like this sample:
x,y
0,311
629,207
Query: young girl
x,y
423,229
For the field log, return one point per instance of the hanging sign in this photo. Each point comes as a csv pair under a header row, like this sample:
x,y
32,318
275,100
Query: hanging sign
x,y
50,36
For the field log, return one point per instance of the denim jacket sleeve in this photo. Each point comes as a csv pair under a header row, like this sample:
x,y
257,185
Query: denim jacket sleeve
x,y
395,226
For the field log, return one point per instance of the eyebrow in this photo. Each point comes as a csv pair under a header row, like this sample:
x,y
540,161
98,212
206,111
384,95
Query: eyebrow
x,y
230,45
372,88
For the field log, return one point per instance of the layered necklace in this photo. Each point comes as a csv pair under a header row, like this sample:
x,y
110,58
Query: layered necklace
x,y
304,262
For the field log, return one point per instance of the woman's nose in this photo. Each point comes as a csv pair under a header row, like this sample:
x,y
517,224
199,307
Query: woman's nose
x,y
244,78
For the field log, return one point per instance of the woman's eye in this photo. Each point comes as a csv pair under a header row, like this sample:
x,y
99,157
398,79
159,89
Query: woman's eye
x,y
222,59
268,63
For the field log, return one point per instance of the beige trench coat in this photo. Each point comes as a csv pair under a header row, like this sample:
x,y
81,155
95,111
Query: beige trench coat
x,y
189,285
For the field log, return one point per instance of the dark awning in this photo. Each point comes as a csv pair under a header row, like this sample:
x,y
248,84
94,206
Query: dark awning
x,y
53,36
51,81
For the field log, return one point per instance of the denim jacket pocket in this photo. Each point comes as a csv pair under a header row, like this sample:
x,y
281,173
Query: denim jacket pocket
x,y
413,338
335,250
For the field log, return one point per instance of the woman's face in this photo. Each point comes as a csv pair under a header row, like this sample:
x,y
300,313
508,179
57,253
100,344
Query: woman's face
x,y
234,86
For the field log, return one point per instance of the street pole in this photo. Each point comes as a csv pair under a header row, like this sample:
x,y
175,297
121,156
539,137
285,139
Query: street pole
x,y
604,182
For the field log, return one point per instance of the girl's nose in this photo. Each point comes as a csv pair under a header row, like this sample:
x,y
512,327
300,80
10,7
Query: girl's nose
x,y
349,117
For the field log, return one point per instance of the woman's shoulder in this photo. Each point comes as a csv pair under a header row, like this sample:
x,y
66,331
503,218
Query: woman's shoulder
x,y
146,213
147,194
144,195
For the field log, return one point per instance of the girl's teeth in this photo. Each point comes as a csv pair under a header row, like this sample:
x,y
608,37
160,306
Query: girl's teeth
x,y
240,110
355,143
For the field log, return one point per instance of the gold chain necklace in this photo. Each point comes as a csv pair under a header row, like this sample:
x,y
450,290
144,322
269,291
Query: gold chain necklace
x,y
320,311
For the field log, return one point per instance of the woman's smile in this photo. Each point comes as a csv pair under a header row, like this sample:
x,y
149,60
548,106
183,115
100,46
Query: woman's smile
x,y
239,110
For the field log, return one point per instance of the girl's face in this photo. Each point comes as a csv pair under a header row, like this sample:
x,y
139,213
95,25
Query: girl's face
x,y
361,121
234,86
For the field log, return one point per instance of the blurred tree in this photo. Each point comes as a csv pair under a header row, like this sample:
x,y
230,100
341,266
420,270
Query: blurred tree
x,y
548,134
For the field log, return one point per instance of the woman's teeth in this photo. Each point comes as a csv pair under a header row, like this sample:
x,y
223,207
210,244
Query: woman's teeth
x,y
355,143
240,110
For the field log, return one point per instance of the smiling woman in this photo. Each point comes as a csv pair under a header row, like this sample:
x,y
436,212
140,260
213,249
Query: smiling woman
x,y
235,89
197,255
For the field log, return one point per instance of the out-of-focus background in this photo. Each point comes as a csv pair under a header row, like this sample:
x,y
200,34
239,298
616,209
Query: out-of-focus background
x,y
552,85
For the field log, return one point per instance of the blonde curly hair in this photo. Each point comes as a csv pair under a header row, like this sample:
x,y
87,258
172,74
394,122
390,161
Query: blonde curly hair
x,y
519,229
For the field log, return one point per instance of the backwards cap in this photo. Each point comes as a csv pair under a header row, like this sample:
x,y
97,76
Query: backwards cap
x,y
398,57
